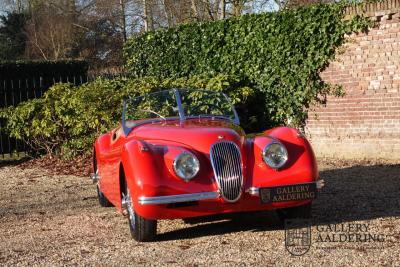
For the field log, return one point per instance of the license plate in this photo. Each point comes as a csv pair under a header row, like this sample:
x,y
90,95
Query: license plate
x,y
288,193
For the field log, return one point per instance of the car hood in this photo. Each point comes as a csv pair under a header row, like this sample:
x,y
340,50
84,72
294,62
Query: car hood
x,y
196,134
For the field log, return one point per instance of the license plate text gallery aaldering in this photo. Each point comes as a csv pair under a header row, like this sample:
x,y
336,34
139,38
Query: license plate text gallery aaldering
x,y
293,193
289,193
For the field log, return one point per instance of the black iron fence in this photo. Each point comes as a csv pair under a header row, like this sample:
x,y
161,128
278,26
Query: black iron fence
x,y
13,92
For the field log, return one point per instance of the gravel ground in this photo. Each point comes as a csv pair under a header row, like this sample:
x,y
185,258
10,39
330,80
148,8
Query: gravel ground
x,y
52,220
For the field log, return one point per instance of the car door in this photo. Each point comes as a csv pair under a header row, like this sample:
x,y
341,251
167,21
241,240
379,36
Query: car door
x,y
110,179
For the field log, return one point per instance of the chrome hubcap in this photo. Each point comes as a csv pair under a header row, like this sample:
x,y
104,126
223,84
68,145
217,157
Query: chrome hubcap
x,y
95,177
127,206
96,180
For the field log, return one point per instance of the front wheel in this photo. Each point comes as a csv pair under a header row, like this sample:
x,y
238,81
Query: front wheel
x,y
141,229
299,212
103,201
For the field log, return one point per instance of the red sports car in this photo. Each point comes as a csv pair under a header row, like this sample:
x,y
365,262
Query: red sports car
x,y
182,154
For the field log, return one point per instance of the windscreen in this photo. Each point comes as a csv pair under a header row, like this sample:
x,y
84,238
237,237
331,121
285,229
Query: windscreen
x,y
206,104
159,105
177,104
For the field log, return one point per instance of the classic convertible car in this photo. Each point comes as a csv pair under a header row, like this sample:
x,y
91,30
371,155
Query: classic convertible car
x,y
182,154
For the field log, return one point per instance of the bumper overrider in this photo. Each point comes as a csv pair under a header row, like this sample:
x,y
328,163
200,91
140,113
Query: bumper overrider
x,y
254,191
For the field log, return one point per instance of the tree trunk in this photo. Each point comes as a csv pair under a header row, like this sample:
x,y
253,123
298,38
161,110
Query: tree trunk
x,y
71,9
19,6
147,15
167,12
195,11
238,7
123,20
223,9
209,9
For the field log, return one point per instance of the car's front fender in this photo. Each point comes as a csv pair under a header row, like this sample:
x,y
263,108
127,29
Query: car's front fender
x,y
142,168
301,166
148,173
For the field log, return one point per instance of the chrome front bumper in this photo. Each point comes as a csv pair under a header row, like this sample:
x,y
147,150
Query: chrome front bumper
x,y
199,196
178,198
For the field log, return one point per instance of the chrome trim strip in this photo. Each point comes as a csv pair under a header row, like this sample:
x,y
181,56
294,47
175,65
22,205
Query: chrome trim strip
x,y
254,191
320,183
177,198
180,107
95,177
236,120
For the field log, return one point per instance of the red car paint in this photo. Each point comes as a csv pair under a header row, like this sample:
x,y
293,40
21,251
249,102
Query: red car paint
x,y
146,155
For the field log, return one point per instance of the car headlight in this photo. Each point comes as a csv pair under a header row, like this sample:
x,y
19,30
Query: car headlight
x,y
186,166
275,155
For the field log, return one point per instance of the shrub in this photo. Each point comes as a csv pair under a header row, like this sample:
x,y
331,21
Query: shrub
x,y
68,118
280,53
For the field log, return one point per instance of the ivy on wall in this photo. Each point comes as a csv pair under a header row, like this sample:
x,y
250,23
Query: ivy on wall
x,y
279,54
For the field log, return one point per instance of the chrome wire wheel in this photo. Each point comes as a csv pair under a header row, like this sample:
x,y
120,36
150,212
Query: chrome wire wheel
x,y
96,174
103,201
127,200
141,229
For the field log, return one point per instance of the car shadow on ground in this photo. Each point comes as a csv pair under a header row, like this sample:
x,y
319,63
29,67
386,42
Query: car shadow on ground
x,y
351,194
224,224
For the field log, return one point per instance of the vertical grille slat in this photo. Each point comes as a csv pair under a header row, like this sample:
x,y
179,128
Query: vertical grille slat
x,y
226,162
233,158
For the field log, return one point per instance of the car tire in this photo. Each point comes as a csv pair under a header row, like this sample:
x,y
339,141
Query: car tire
x,y
103,201
142,230
299,212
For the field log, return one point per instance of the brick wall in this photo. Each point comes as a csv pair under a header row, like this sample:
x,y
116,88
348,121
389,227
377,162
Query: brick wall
x,y
365,123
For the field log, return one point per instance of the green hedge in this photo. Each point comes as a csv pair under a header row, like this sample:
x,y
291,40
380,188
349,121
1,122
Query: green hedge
x,y
268,64
21,70
280,53
68,118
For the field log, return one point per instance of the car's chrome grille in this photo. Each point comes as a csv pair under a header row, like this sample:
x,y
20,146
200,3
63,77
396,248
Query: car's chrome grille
x,y
226,162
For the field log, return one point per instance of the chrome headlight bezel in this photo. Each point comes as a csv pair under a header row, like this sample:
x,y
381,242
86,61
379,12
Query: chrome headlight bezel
x,y
179,172
269,161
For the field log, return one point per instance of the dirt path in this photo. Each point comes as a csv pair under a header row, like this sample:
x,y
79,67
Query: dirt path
x,y
56,220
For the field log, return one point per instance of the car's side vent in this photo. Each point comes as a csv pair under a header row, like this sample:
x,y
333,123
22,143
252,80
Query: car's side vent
x,y
226,162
